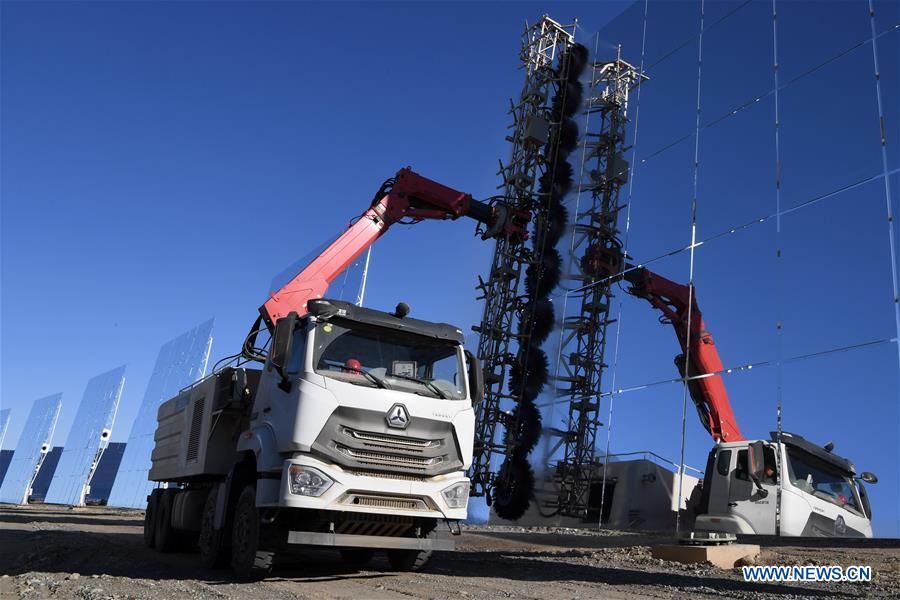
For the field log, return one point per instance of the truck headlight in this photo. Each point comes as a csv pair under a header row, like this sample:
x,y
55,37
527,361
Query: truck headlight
x,y
306,481
457,495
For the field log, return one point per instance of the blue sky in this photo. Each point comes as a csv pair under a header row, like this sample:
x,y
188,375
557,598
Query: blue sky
x,y
162,162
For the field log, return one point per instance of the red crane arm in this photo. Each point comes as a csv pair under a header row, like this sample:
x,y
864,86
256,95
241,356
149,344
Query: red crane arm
x,y
678,302
409,196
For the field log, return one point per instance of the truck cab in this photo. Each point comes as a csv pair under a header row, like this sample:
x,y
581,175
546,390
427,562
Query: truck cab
x,y
821,494
356,434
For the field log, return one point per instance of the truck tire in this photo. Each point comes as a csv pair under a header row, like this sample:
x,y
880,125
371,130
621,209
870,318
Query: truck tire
x,y
165,537
247,560
188,541
357,556
211,542
150,519
408,560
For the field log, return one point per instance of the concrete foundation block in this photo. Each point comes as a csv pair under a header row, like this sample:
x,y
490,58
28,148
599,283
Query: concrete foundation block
x,y
724,556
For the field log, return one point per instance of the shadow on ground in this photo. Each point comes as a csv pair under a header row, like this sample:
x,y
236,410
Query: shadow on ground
x,y
58,543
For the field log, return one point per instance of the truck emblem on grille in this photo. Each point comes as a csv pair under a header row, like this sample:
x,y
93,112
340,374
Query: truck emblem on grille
x,y
840,527
397,417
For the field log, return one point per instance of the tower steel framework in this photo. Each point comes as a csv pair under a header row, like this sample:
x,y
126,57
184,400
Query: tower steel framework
x,y
594,257
500,343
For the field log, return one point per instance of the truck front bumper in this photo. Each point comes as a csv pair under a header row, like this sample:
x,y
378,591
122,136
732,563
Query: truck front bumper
x,y
372,494
344,540
723,523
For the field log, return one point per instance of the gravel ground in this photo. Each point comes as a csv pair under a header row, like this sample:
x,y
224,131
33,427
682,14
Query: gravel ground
x,y
98,554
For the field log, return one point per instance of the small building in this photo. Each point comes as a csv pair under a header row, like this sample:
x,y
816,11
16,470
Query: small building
x,y
639,492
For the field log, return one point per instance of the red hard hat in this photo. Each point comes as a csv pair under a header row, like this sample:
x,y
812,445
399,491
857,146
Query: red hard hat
x,y
352,363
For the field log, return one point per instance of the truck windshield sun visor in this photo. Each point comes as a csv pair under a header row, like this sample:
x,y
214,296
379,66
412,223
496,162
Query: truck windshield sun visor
x,y
797,441
327,309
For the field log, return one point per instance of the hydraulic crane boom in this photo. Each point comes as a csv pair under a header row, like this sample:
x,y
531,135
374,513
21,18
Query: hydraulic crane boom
x,y
408,197
678,303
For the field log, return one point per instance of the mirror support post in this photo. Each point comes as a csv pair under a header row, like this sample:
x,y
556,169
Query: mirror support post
x,y
281,347
476,378
757,458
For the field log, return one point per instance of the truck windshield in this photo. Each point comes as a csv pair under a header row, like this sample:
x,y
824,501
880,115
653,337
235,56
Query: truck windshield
x,y
816,477
379,357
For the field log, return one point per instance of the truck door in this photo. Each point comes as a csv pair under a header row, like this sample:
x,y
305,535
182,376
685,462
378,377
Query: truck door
x,y
718,480
275,404
744,498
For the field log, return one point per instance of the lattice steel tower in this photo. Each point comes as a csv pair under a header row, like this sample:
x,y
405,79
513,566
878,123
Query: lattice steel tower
x,y
594,254
500,339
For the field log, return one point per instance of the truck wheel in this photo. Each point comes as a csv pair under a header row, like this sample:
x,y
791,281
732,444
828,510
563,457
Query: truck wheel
x,y
150,519
247,560
188,541
357,556
212,552
166,537
408,560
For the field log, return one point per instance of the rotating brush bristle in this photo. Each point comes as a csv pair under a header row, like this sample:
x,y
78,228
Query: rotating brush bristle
x,y
529,378
566,103
542,321
542,278
527,427
563,175
568,136
557,181
576,57
557,221
514,488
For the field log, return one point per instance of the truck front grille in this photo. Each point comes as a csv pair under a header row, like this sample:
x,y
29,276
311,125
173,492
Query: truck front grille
x,y
360,440
391,441
384,458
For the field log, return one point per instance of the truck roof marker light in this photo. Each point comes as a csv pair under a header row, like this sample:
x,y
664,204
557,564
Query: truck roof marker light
x,y
402,310
323,309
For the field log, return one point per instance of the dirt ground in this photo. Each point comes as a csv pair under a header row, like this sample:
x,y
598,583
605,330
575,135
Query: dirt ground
x,y
98,553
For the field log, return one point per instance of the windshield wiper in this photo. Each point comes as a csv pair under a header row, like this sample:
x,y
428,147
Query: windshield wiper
x,y
376,380
424,382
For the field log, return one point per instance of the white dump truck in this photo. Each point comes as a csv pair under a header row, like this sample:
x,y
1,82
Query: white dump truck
x,y
356,434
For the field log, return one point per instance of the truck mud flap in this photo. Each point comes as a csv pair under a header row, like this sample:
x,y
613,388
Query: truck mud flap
x,y
346,540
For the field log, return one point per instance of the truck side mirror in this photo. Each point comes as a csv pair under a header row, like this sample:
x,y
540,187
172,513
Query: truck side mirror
x,y
281,347
476,378
868,477
757,459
